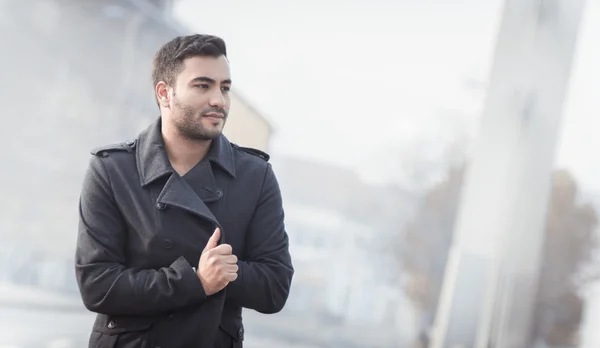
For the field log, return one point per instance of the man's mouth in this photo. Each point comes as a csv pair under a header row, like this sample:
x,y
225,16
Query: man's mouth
x,y
214,115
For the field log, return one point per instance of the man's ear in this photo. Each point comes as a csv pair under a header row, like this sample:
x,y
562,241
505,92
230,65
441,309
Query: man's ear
x,y
163,94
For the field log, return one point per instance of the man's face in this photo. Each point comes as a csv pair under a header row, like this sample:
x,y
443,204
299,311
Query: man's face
x,y
200,98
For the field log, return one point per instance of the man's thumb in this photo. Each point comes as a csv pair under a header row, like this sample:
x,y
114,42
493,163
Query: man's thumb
x,y
214,240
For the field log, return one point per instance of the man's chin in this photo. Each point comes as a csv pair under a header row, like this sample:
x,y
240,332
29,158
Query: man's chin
x,y
213,127
215,132
202,136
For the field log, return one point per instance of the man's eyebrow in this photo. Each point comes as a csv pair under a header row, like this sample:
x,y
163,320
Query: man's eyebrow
x,y
209,80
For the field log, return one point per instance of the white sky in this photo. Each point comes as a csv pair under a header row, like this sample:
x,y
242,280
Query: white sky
x,y
356,82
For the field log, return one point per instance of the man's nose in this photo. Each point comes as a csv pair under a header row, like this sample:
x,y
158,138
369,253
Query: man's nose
x,y
217,99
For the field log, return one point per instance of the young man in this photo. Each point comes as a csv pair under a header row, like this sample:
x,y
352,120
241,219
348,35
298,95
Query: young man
x,y
180,229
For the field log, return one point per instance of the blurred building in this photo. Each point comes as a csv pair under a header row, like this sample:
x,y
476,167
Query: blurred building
x,y
340,230
246,126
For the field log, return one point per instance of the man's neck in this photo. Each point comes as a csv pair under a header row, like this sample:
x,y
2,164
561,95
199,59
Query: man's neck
x,y
183,153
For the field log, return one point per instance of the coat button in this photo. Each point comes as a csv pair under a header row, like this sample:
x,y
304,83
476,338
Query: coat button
x,y
219,193
168,244
104,154
161,206
241,333
112,324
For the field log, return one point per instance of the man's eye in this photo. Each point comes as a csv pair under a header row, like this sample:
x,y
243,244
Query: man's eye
x,y
203,86
225,89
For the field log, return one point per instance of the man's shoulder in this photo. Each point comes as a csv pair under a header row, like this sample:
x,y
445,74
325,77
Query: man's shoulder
x,y
251,153
125,147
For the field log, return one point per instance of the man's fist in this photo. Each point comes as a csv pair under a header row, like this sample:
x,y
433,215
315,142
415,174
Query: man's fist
x,y
217,266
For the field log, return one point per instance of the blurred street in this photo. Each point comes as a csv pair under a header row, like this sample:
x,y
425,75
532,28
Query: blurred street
x,y
70,329
53,329
62,322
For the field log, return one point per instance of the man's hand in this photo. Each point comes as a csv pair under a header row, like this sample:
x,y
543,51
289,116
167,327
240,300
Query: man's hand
x,y
217,266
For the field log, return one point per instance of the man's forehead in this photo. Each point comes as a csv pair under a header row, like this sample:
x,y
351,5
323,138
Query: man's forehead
x,y
214,67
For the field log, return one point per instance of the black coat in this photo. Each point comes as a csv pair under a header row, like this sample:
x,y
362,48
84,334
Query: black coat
x,y
143,227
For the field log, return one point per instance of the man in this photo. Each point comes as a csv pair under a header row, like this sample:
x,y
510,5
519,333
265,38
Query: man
x,y
179,228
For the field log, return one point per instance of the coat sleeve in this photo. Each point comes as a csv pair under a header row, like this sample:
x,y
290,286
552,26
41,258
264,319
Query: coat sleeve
x,y
265,276
107,286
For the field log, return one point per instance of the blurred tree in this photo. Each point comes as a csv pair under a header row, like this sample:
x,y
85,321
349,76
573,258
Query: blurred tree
x,y
423,248
569,245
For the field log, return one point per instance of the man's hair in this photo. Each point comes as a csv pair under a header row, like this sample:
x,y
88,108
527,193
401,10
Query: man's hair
x,y
168,61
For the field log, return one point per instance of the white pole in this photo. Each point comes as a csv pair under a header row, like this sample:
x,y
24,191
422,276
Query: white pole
x,y
492,271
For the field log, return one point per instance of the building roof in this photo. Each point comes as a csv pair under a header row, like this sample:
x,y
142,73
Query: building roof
x,y
326,186
241,97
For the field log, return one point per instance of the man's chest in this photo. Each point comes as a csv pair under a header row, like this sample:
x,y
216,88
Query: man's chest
x,y
176,218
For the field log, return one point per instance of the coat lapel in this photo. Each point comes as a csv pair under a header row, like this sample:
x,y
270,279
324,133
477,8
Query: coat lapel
x,y
178,193
192,191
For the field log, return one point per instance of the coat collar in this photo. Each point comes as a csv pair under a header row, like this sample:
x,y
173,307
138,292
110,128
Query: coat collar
x,y
152,160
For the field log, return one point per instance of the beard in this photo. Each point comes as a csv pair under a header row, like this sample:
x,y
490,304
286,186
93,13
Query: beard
x,y
190,124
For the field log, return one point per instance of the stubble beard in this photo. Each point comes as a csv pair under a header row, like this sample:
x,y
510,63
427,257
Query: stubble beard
x,y
189,123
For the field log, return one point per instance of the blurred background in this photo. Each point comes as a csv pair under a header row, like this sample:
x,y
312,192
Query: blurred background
x,y
389,133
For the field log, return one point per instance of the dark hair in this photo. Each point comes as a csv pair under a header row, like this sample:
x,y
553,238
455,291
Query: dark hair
x,y
168,61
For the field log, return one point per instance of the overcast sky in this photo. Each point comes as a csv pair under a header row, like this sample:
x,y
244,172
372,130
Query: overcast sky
x,y
355,82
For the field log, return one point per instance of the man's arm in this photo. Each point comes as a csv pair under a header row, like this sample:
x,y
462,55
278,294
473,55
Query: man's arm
x,y
107,286
265,277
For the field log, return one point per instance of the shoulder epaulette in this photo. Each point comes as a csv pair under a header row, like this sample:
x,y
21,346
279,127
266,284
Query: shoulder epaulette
x,y
103,151
255,152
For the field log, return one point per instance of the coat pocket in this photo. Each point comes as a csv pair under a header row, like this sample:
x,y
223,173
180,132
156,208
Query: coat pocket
x,y
122,331
101,340
233,328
